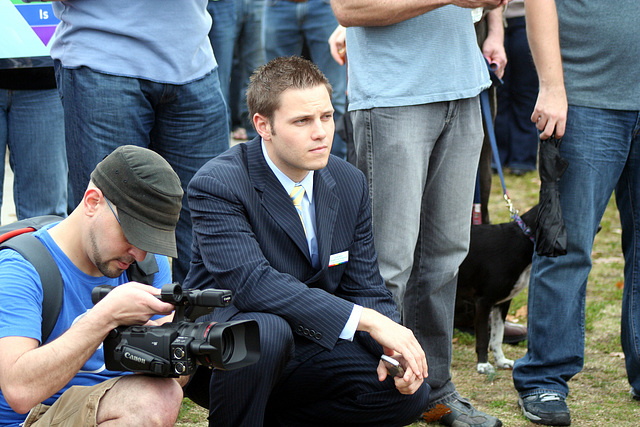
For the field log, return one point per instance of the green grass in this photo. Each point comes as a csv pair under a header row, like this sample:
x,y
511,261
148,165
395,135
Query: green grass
x,y
599,394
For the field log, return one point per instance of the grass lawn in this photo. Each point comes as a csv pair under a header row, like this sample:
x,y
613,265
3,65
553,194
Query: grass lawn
x,y
599,394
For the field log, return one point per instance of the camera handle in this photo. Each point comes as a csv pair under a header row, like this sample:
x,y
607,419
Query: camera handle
x,y
200,302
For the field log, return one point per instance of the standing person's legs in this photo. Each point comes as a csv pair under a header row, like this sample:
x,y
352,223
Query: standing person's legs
x,y
317,29
628,200
222,37
393,149
516,135
101,113
37,153
191,128
595,145
281,32
524,92
421,164
443,241
250,49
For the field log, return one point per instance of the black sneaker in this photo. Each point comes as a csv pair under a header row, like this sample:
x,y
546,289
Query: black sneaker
x,y
634,394
547,408
460,413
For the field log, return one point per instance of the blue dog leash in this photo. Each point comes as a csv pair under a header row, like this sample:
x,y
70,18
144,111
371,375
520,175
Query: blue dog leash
x,y
486,113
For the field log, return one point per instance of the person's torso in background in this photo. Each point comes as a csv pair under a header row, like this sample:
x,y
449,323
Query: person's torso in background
x,y
600,43
160,40
433,57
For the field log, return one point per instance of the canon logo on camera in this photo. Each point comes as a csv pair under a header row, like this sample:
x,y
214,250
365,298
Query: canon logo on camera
x,y
130,356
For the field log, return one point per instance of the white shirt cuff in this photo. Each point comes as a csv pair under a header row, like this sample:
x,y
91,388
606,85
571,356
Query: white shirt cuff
x,y
352,324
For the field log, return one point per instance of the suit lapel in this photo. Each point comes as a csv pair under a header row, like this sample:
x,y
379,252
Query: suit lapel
x,y
326,203
274,198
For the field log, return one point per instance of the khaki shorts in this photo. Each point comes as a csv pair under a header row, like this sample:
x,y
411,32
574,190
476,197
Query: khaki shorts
x,y
78,406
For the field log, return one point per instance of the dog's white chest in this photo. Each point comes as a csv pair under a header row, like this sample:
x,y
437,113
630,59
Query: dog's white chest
x,y
523,282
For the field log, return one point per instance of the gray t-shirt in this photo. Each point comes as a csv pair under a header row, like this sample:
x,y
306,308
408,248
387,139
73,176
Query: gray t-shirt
x,y
600,43
433,57
164,41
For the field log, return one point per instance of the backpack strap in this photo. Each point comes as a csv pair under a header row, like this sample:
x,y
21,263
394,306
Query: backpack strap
x,y
37,254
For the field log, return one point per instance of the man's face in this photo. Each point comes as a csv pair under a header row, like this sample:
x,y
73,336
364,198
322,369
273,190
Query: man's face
x,y
300,136
111,252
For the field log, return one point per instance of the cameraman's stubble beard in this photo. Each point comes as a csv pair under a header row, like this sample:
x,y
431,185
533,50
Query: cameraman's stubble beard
x,y
102,265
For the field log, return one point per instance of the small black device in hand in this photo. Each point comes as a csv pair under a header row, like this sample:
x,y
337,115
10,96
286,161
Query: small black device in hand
x,y
392,365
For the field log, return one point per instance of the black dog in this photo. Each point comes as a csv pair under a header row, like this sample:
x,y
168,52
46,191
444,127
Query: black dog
x,y
495,270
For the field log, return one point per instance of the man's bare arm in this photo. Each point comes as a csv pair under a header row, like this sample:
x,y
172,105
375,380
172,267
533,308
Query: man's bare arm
x,y
30,374
550,112
365,13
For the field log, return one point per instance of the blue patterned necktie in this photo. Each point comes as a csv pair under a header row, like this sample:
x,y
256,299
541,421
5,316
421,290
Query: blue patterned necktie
x,y
296,197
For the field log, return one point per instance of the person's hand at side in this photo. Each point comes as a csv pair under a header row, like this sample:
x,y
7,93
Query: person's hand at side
x,y
337,44
493,45
550,112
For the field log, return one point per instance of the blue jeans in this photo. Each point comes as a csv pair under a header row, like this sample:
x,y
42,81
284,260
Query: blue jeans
x,y
516,135
287,25
186,124
249,55
222,38
32,126
603,151
422,187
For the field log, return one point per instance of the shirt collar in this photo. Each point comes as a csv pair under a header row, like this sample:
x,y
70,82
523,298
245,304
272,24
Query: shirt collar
x,y
287,182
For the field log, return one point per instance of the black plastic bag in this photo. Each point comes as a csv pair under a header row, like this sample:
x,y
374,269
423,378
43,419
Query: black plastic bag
x,y
551,234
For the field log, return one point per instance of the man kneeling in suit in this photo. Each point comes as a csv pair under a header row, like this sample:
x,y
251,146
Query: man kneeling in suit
x,y
303,266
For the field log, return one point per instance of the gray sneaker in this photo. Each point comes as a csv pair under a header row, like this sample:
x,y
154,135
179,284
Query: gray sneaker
x,y
460,413
548,409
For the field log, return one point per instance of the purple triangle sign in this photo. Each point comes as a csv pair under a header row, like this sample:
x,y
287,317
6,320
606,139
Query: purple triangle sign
x,y
45,32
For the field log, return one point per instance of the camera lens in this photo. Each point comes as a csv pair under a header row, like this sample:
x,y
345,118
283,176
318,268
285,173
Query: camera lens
x,y
227,345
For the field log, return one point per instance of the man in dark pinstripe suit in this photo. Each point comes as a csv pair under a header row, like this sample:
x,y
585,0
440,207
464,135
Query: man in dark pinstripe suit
x,y
308,275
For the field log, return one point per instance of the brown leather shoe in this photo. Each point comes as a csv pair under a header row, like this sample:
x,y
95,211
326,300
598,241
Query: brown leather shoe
x,y
514,333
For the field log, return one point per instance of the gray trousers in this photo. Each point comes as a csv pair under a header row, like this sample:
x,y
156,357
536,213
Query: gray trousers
x,y
421,163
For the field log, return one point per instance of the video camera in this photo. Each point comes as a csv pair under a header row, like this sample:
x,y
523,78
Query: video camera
x,y
175,348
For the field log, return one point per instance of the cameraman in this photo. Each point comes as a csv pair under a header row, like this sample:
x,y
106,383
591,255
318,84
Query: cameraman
x,y
324,313
131,206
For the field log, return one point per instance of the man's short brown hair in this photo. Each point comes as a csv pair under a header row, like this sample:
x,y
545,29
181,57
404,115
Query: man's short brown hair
x,y
271,79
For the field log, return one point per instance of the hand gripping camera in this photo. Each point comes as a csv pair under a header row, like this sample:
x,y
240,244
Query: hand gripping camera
x,y
175,348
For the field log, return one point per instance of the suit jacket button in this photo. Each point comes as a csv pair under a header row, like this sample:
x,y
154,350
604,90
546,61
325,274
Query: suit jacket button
x,y
318,336
299,329
306,331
